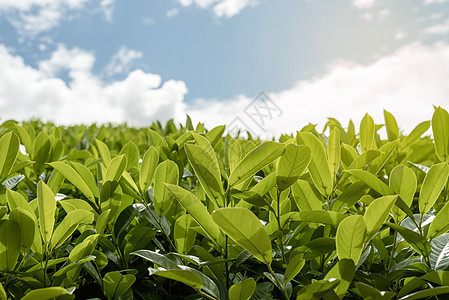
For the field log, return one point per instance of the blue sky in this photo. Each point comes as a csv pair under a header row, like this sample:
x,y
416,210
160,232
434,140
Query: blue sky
x,y
81,61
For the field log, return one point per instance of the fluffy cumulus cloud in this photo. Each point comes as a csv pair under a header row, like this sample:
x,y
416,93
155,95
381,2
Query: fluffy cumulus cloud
x,y
363,4
442,28
406,83
31,17
139,99
221,8
122,60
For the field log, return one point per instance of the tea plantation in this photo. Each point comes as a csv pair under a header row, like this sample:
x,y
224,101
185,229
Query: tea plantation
x,y
181,212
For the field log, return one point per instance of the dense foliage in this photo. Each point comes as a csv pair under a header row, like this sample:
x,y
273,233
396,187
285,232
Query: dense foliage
x,y
172,212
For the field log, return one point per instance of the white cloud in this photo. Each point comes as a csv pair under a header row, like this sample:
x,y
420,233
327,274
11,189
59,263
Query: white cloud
x,y
122,60
108,8
31,17
172,12
221,8
399,35
434,1
442,28
139,99
363,4
407,83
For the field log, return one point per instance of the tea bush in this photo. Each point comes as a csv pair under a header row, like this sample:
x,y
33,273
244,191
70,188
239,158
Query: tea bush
x,y
168,212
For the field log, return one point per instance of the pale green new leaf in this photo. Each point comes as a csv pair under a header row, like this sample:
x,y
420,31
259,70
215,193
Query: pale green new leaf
x,y
205,165
184,235
344,271
392,126
377,213
46,207
9,149
198,211
351,234
242,290
27,224
245,229
166,172
115,284
334,151
10,240
255,160
292,164
367,129
371,180
47,293
440,125
403,182
146,171
69,224
74,177
116,168
440,224
319,165
432,186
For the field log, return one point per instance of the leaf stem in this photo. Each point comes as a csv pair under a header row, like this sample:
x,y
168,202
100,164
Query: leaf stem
x,y
278,283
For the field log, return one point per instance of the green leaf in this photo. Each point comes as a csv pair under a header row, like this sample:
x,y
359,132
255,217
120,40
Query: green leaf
x,y
115,284
146,171
392,126
403,182
377,213
132,154
10,240
47,207
317,289
198,211
432,186
417,241
351,234
305,197
68,225
440,224
2,293
116,168
367,129
185,276
102,222
371,180
27,224
104,152
87,176
71,175
137,239
419,130
242,290
255,160
166,173
344,271
41,151
319,165
334,151
234,155
319,216
295,264
424,294
184,235
291,165
205,165
440,125
47,293
370,292
9,149
244,228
